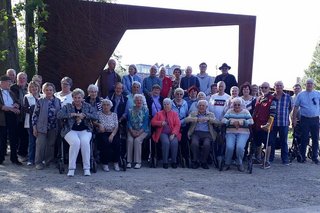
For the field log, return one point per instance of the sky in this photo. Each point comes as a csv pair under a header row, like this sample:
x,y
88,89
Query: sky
x,y
286,36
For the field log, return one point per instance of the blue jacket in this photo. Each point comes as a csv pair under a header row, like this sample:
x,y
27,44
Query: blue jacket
x,y
127,84
182,111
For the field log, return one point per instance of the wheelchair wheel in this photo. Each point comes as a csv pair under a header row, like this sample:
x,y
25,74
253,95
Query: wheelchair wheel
x,y
123,164
309,154
299,158
262,154
61,166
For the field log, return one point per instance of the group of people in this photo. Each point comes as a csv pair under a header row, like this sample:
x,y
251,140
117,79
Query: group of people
x,y
187,112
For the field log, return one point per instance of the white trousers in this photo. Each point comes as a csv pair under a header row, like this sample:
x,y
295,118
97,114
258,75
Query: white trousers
x,y
79,140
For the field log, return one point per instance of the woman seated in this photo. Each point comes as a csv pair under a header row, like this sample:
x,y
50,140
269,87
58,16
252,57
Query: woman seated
x,y
201,130
200,96
167,125
138,129
237,121
77,130
108,137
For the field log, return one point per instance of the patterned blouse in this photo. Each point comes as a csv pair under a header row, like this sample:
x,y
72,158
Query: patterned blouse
x,y
138,119
108,121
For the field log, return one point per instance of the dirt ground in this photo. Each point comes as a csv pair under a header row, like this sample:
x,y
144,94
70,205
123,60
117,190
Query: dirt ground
x,y
293,188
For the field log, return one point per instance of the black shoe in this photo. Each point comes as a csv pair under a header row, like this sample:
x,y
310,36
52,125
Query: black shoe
x,y
17,162
204,166
165,166
174,165
195,165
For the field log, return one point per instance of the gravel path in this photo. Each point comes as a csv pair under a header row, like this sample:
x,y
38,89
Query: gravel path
x,y
295,188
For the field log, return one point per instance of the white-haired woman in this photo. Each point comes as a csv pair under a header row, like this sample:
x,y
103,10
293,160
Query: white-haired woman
x,y
200,96
136,88
77,130
237,121
167,125
108,137
138,129
93,98
127,80
234,91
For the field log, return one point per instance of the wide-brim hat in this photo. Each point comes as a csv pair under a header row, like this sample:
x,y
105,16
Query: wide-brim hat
x,y
224,65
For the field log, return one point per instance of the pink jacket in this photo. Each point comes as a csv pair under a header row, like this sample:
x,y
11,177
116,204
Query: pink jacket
x,y
173,120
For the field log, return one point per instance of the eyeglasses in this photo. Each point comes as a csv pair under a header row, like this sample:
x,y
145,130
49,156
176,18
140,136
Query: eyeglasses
x,y
264,87
67,84
236,104
179,94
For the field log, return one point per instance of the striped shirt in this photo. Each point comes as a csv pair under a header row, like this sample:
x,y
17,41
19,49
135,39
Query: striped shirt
x,y
244,118
284,107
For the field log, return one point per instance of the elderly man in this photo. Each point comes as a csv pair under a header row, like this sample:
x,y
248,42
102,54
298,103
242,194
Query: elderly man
x,y
201,130
204,79
148,82
108,79
12,74
263,114
20,89
225,76
309,103
218,101
281,122
9,109
189,81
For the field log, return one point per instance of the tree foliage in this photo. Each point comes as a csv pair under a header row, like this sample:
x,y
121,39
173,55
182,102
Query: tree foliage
x,y
313,70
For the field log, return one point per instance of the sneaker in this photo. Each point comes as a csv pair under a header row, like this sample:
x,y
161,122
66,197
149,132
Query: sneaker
x,y
40,166
116,167
29,164
266,165
137,166
86,172
241,168
70,173
286,163
105,168
128,165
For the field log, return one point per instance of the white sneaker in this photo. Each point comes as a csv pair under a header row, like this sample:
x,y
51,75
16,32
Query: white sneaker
x,y
105,168
116,167
128,165
137,166
29,164
70,173
87,172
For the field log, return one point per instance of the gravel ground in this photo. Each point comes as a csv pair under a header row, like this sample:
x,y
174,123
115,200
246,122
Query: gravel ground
x,y
293,188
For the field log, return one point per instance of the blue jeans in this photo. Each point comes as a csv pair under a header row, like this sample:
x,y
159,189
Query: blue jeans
x,y
283,139
309,125
167,146
235,139
31,146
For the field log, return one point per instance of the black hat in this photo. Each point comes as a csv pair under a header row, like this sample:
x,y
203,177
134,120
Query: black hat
x,y
5,78
224,65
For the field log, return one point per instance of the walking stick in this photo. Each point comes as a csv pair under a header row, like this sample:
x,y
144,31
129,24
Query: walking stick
x,y
270,121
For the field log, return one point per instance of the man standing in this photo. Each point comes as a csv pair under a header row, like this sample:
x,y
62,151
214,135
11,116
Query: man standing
x,y
188,81
9,109
20,89
108,79
217,101
309,103
281,122
204,79
148,82
12,74
229,79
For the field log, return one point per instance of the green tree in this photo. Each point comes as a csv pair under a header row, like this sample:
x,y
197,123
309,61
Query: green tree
x,y
313,70
9,57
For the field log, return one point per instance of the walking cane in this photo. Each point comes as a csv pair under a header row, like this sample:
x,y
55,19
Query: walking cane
x,y
270,121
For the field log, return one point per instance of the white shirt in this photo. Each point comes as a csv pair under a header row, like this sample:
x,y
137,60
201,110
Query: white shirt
x,y
66,99
7,99
217,103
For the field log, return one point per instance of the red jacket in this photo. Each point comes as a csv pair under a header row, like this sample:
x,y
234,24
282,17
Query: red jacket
x,y
166,86
173,120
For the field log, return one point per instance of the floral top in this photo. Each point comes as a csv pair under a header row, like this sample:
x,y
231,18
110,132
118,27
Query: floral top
x,y
138,119
108,121
52,119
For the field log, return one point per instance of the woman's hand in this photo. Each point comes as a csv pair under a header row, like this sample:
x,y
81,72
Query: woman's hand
x,y
163,123
172,136
111,138
35,132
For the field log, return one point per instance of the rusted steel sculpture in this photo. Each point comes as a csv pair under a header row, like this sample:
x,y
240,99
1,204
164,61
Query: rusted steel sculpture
x,y
82,35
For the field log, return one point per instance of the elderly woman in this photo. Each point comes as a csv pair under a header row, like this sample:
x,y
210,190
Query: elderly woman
x,y
108,136
93,98
45,125
248,100
77,130
29,103
234,94
127,80
192,95
237,121
136,86
65,94
201,129
138,129
200,96
167,125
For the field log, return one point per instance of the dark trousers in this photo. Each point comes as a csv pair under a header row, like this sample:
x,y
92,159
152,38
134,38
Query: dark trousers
x,y
9,130
109,152
283,140
205,138
23,141
309,125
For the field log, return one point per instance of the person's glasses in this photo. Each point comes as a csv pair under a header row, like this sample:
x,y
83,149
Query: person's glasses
x,y
179,94
67,84
236,104
264,87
